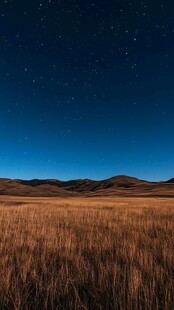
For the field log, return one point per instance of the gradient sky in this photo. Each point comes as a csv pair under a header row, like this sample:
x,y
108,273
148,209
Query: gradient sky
x,y
86,89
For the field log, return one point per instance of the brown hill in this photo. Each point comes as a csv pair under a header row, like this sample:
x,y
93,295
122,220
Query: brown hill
x,y
115,186
26,188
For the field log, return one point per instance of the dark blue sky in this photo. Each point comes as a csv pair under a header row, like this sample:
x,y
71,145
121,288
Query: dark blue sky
x,y
87,89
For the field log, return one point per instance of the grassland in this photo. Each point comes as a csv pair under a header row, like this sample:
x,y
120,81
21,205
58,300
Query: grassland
x,y
86,253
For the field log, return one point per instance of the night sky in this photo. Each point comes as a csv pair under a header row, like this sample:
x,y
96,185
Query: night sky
x,y
86,89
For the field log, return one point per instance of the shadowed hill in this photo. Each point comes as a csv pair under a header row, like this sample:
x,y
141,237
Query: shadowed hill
x,y
170,181
30,188
115,186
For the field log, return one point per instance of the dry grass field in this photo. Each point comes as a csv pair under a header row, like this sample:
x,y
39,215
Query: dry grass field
x,y
114,253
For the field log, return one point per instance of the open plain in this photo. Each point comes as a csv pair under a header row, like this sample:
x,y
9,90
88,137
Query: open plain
x,y
86,253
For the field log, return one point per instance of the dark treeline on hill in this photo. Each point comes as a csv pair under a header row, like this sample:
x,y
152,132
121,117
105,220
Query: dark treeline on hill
x,y
115,186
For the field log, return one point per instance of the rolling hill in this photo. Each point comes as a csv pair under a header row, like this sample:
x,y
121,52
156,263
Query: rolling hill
x,y
115,186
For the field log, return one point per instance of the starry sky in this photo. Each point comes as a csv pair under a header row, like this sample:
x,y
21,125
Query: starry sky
x,y
86,89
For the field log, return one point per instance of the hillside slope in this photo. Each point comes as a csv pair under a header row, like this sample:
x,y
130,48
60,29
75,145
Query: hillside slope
x,y
115,186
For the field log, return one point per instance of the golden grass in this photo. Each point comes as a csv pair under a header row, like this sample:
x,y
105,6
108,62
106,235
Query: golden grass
x,y
86,253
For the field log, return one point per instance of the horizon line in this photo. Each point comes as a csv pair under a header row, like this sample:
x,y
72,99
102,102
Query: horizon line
x,y
75,179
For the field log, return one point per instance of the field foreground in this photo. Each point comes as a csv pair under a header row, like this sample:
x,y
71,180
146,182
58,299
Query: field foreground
x,y
100,253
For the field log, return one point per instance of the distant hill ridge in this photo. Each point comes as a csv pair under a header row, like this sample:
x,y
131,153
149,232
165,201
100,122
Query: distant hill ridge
x,y
120,185
170,181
